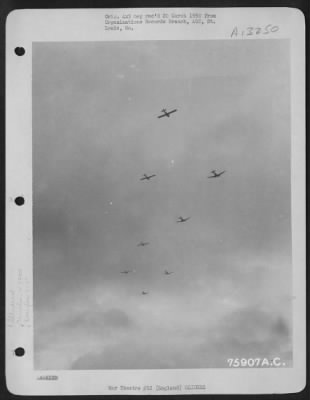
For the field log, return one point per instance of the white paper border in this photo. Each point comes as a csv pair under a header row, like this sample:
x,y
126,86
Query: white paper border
x,y
27,26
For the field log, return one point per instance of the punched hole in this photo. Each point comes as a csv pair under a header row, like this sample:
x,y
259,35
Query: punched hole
x,y
19,51
19,201
19,352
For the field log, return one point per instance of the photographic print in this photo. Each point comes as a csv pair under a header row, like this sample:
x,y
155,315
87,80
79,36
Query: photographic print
x,y
161,240
163,203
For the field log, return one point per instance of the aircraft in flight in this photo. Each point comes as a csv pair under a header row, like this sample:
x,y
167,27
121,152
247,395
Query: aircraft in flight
x,y
143,244
181,219
144,292
216,174
166,113
127,271
168,272
147,177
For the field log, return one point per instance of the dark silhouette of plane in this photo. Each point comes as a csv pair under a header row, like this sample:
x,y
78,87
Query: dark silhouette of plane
x,y
181,219
147,177
166,113
127,271
216,174
144,292
143,244
168,272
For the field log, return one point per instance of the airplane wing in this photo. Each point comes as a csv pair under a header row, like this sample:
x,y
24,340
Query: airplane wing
x,y
142,179
160,116
170,112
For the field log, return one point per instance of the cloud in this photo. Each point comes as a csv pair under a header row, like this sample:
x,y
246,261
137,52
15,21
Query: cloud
x,y
192,321
246,333
97,320
91,320
127,355
57,343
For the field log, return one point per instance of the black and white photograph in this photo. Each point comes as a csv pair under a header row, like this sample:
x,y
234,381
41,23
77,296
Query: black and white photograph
x,y
163,206
162,224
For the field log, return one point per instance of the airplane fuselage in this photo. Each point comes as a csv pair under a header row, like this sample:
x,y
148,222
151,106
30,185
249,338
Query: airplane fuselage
x,y
183,219
216,175
147,177
166,113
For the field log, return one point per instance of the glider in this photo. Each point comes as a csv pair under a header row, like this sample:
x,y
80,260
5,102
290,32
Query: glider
x,y
181,219
166,113
168,272
143,244
216,174
127,271
147,177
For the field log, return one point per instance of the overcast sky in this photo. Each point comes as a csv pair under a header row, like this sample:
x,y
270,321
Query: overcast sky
x,y
95,132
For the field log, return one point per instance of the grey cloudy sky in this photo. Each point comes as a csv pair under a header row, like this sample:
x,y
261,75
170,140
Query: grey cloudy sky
x,y
95,132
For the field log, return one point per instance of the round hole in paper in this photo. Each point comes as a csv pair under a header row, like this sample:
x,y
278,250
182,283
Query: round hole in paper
x,y
19,351
19,201
19,51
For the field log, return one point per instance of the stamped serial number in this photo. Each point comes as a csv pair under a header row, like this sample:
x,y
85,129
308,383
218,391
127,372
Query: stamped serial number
x,y
47,378
255,362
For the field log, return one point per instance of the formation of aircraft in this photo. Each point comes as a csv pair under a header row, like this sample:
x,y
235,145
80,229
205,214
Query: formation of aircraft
x,y
216,174
166,113
181,219
143,244
147,177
